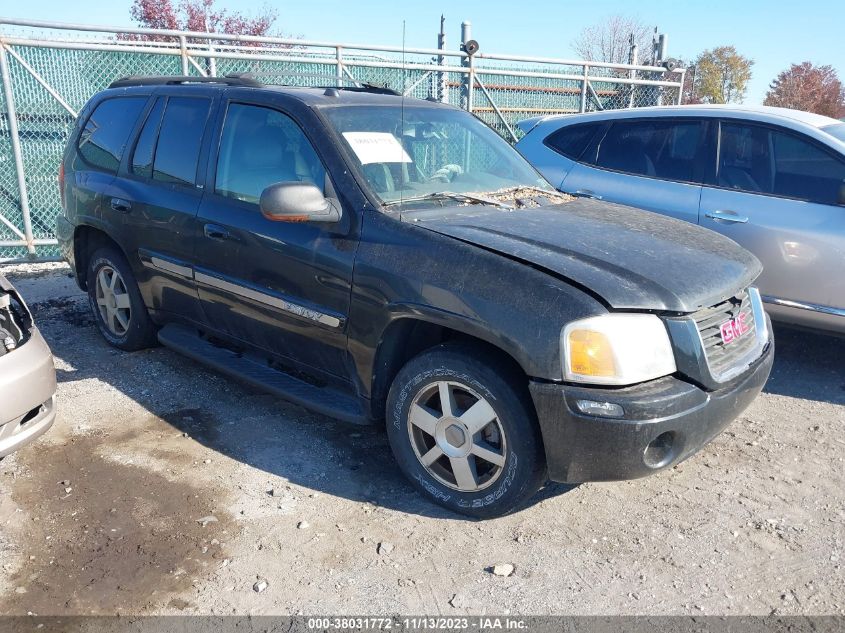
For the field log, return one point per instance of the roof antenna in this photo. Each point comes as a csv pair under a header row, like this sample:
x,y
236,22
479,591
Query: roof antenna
x,y
402,127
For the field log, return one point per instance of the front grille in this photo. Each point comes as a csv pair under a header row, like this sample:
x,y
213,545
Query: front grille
x,y
723,357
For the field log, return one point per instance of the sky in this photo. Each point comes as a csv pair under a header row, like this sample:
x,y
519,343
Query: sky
x,y
774,33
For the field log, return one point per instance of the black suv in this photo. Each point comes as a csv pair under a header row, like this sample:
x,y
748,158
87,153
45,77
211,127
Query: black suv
x,y
384,259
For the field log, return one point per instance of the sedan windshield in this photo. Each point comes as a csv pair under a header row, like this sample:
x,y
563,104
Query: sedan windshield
x,y
417,155
837,130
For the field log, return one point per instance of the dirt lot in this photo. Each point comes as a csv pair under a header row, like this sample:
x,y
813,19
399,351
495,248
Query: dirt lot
x,y
163,488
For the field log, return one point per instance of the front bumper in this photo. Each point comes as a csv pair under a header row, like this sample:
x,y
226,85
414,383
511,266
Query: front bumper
x,y
27,393
665,421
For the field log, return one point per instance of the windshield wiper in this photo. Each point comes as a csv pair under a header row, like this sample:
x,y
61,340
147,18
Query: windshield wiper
x,y
451,195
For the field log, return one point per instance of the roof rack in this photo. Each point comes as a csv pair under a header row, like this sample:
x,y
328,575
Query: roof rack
x,y
247,80
140,80
360,86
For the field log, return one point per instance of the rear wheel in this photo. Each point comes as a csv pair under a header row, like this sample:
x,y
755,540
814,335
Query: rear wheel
x,y
116,301
465,434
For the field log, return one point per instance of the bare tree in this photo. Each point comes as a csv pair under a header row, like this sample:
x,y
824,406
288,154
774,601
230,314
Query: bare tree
x,y
690,93
610,40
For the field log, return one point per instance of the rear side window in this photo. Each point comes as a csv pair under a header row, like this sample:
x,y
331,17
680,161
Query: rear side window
x,y
572,140
103,139
142,159
179,139
669,150
757,159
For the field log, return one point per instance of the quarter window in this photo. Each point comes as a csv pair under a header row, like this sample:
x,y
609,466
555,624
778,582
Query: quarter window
x,y
259,147
668,150
142,159
103,139
179,140
572,140
761,160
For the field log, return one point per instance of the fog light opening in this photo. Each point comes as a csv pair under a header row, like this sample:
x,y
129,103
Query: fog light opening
x,y
660,451
602,409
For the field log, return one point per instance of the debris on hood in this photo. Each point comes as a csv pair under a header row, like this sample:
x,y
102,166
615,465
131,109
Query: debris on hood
x,y
524,197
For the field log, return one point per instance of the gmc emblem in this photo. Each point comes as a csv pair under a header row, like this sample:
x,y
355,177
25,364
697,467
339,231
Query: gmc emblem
x,y
732,329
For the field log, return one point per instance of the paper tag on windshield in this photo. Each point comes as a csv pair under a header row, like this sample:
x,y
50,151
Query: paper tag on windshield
x,y
377,147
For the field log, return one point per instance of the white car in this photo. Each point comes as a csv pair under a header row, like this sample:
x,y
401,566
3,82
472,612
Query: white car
x,y
771,179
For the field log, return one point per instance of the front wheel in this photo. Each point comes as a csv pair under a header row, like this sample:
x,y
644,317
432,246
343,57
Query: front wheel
x,y
464,433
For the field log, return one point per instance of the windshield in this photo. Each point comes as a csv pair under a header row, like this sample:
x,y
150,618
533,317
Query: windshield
x,y
426,152
837,131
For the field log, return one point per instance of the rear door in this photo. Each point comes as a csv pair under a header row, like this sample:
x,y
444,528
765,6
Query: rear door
x,y
653,164
281,286
100,149
777,193
159,194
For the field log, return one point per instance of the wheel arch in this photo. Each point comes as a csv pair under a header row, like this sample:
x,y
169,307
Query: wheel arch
x,y
408,336
87,239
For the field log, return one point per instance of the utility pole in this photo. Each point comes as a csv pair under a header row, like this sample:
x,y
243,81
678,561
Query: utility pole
x,y
633,60
466,81
441,91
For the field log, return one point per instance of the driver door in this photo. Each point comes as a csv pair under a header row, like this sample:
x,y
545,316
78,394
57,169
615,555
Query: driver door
x,y
281,286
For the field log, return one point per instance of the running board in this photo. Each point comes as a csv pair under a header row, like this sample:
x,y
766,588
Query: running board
x,y
252,371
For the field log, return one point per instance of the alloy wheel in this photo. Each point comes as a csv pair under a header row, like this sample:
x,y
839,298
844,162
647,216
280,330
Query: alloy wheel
x,y
113,301
457,436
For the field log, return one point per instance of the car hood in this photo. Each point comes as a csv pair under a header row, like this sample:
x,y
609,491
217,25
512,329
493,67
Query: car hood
x,y
629,258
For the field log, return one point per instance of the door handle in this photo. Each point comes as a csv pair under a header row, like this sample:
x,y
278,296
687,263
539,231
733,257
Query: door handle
x,y
216,232
119,204
730,217
586,193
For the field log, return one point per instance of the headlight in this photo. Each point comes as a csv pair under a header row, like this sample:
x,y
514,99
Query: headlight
x,y
616,349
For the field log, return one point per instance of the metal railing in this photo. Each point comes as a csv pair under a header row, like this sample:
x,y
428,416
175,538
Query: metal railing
x,y
49,70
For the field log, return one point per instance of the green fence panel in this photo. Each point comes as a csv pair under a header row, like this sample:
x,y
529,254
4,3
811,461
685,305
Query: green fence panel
x,y
504,93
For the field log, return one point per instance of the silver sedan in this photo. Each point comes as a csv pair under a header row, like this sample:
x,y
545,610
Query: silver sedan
x,y
27,375
771,179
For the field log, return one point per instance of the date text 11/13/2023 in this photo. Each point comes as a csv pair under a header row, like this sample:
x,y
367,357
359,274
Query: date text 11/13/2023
x,y
421,623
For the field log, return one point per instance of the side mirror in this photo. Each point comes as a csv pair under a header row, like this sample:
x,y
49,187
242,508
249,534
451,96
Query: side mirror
x,y
841,199
297,202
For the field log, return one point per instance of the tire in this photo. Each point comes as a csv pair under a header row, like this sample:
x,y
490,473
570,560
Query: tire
x,y
503,459
125,322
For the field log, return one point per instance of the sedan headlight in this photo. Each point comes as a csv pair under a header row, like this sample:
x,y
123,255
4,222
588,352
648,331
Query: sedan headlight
x,y
616,349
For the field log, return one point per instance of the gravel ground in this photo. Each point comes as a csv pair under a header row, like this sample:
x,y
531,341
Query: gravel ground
x,y
164,488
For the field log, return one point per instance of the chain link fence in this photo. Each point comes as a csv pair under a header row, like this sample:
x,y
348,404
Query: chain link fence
x,y
49,71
